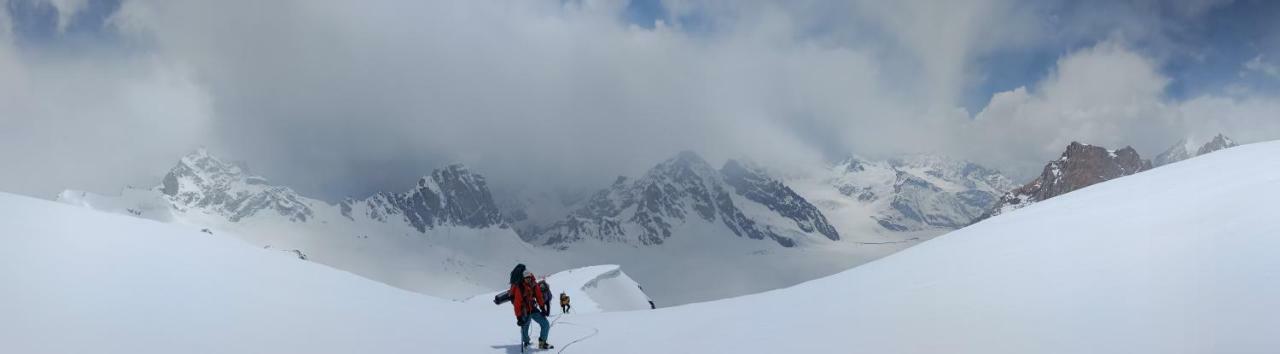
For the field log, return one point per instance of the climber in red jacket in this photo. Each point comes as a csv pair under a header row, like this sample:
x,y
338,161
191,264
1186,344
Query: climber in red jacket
x,y
530,304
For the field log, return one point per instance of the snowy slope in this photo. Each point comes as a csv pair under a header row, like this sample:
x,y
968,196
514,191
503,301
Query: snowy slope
x,y
1151,272
80,281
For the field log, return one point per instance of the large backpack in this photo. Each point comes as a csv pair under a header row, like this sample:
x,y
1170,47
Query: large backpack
x,y
516,274
546,291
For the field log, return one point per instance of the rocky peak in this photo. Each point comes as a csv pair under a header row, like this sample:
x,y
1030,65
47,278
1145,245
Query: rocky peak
x,y
203,181
1183,150
1219,142
852,164
685,167
686,189
450,196
203,170
1081,165
675,186
1178,152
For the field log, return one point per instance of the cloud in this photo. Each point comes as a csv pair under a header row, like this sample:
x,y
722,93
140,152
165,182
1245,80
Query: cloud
x,y
1258,65
1248,118
343,91
1107,95
67,10
96,121
348,98
1113,96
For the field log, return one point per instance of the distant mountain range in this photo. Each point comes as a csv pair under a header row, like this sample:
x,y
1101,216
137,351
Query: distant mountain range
x,y
680,223
449,235
442,236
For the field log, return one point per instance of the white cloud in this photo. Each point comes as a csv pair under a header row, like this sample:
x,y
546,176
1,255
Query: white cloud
x,y
1105,95
1109,95
1260,65
520,89
347,97
92,124
1245,118
67,10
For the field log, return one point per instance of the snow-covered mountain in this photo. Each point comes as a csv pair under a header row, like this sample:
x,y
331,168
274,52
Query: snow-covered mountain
x,y
904,199
449,197
922,191
1081,165
684,190
439,237
1184,150
1194,272
204,183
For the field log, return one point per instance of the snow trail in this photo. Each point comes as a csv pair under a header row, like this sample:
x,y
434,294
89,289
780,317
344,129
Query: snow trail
x,y
594,332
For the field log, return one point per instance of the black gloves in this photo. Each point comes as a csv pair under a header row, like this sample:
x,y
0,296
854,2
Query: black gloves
x,y
522,320
546,311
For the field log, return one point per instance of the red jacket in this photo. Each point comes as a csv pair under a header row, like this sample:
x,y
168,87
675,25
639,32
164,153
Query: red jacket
x,y
522,293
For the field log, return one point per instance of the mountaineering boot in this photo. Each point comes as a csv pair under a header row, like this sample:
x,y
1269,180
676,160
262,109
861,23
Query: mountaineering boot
x,y
542,344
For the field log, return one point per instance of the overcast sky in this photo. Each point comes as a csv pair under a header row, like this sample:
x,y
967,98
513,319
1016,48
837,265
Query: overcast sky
x,y
341,98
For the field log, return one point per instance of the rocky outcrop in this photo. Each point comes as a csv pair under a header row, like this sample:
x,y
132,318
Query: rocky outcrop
x,y
1218,142
1080,166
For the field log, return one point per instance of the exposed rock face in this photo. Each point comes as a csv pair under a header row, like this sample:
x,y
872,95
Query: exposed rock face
x,y
685,189
1178,152
452,196
1219,142
1183,150
1080,166
920,192
757,186
203,182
